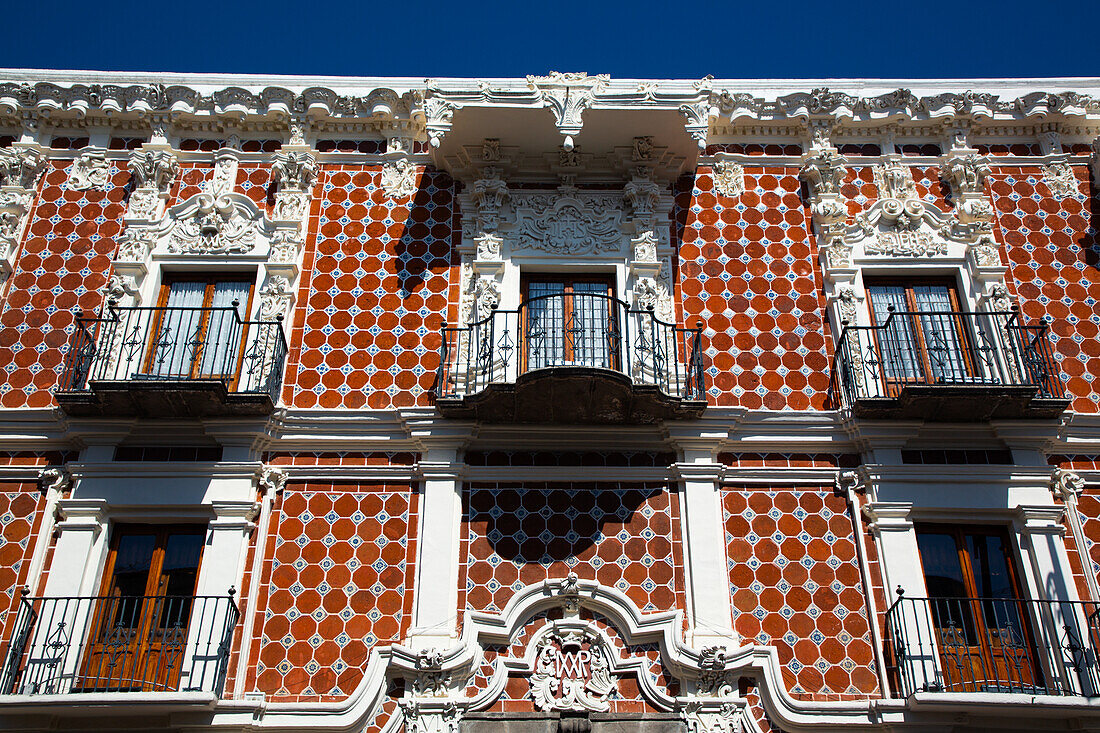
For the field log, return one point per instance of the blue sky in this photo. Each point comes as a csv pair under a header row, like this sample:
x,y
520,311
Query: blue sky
x,y
766,38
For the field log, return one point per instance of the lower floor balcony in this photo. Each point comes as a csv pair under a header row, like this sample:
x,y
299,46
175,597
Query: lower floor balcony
x,y
172,362
119,643
571,358
998,645
949,366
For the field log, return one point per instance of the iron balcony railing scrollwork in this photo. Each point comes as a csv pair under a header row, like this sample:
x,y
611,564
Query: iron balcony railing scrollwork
x,y
119,643
948,349
173,344
998,645
590,330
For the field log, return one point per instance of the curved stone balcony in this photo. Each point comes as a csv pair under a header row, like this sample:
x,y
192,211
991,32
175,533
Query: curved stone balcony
x,y
571,358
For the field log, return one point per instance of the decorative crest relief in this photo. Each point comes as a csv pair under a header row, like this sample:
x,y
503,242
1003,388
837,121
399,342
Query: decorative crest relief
x,y
729,179
1060,179
399,178
571,673
91,169
568,224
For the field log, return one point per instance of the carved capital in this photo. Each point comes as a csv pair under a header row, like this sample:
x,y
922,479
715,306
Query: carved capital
x,y
155,169
294,171
21,167
90,170
55,478
824,170
1066,484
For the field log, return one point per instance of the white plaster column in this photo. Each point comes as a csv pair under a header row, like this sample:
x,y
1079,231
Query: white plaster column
x,y
710,613
211,623
899,560
80,549
435,603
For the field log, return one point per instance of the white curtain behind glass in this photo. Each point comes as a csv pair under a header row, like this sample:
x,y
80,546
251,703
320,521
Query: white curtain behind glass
x,y
897,343
545,324
223,332
174,349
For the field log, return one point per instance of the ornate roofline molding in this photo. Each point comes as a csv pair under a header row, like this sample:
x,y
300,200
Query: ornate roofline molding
x,y
425,108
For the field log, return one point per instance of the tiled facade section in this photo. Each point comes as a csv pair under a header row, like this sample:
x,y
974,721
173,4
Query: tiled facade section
x,y
336,584
375,290
627,697
626,536
1088,510
66,257
749,269
21,510
1052,249
795,585
747,689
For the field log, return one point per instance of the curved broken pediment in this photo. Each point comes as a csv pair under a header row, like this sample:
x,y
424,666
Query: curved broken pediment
x,y
214,224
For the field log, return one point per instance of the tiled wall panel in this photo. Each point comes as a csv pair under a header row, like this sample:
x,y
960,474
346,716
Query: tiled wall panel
x,y
375,290
623,535
749,269
337,583
1052,255
795,584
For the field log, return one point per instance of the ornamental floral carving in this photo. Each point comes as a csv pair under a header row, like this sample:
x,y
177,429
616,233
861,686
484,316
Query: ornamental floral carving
x,y
275,298
568,95
294,171
430,680
824,169
14,210
642,195
701,718
645,246
966,173
90,170
486,292
1066,484
847,305
488,195
894,180
729,179
645,293
136,245
399,178
568,224
572,673
1060,179
154,169
714,680
488,247
285,246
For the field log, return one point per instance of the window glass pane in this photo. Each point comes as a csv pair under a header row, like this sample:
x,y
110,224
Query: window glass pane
x,y
545,313
943,340
897,343
952,613
992,578
179,572
588,330
223,330
173,349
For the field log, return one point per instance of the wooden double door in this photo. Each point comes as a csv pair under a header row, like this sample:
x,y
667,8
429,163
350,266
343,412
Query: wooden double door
x,y
139,622
980,621
570,321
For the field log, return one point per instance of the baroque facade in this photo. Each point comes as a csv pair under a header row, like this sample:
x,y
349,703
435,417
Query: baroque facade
x,y
559,403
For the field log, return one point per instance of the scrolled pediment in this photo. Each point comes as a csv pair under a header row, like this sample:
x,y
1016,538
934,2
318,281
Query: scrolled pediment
x,y
208,224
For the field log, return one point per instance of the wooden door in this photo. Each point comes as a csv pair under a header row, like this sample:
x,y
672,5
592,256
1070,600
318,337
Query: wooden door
x,y
980,623
195,334
569,321
927,340
140,619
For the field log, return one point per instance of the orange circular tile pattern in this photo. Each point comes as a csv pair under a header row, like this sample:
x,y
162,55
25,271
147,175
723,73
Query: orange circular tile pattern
x,y
335,588
795,585
621,535
1053,251
21,506
66,257
374,294
749,268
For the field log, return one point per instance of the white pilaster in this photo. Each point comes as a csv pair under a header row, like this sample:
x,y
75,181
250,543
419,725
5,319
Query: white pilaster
x,y
435,603
80,548
709,606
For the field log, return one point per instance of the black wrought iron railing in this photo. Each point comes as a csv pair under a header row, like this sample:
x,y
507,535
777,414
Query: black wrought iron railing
x,y
999,645
119,644
942,348
137,344
571,329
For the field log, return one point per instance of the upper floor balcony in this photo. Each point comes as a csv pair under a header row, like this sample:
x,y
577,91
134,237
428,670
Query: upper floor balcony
x,y
971,644
573,357
950,366
119,643
172,362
